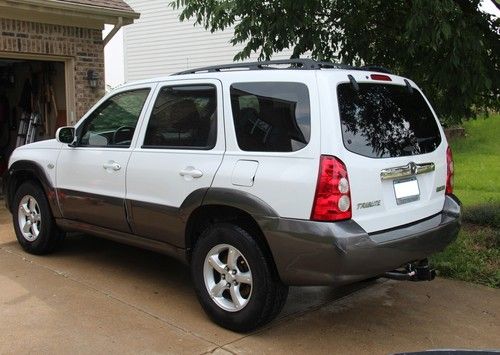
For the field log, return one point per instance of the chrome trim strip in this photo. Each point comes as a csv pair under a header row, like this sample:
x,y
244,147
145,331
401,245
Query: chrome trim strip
x,y
409,169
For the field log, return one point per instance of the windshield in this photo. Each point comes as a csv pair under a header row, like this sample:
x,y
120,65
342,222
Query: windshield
x,y
385,121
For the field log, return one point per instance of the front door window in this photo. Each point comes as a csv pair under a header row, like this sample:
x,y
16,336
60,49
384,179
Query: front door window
x,y
113,123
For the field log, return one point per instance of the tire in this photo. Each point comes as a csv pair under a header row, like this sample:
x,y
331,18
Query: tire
x,y
34,224
259,293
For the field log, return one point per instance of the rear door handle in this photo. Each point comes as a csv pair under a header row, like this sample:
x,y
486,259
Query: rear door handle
x,y
191,172
111,165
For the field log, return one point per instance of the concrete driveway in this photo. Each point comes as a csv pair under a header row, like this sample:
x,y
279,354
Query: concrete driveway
x,y
96,296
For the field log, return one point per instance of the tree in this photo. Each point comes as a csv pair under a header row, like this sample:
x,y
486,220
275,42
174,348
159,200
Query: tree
x,y
449,47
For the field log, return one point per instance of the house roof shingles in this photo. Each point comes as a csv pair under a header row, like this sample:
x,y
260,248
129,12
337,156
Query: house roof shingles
x,y
107,4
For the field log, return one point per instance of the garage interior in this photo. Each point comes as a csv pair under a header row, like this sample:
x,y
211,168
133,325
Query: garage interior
x,y
32,103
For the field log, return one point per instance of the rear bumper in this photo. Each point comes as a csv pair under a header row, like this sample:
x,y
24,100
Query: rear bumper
x,y
319,253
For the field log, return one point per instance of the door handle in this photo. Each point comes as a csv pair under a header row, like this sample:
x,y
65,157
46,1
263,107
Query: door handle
x,y
409,169
191,172
111,165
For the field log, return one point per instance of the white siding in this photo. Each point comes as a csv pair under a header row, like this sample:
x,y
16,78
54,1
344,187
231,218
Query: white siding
x,y
159,44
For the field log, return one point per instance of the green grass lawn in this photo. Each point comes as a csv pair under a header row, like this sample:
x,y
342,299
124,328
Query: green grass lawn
x,y
477,162
475,255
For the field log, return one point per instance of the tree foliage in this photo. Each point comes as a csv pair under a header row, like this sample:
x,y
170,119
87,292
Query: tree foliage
x,y
449,47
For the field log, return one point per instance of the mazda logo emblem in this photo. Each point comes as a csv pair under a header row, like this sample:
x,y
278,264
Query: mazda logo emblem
x,y
413,168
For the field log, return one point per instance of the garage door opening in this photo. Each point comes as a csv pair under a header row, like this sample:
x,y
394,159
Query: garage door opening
x,y
32,103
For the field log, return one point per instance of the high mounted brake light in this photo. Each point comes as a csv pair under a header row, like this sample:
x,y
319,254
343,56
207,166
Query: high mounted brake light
x,y
450,170
332,201
380,77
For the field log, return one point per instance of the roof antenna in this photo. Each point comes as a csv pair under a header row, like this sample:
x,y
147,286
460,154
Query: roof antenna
x,y
354,83
409,87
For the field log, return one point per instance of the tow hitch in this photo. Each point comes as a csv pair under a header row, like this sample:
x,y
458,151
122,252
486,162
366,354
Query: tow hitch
x,y
419,271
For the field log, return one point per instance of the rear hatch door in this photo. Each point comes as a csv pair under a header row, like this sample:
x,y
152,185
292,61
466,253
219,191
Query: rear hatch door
x,y
394,153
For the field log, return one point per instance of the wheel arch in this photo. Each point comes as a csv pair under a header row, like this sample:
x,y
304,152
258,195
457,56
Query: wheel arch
x,y
227,205
24,170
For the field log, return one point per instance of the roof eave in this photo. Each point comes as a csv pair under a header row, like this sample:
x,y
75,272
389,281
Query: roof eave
x,y
106,15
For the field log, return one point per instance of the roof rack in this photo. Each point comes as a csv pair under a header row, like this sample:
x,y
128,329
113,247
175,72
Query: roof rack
x,y
301,64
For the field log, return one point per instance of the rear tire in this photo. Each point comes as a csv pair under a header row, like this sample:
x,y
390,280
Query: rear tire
x,y
238,292
34,224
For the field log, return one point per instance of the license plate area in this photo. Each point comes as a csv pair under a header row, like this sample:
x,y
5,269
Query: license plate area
x,y
406,190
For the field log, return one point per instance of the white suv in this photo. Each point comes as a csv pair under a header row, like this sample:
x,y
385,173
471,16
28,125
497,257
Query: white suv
x,y
259,175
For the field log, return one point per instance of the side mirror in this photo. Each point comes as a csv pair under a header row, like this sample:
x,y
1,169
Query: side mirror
x,y
66,135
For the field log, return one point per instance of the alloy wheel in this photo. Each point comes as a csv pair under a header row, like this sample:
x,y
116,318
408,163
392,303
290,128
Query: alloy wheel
x,y
228,277
30,218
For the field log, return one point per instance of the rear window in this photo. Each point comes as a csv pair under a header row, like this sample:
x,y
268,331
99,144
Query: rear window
x,y
271,116
183,117
384,121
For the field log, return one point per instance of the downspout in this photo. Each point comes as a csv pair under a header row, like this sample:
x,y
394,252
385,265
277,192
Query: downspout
x,y
115,29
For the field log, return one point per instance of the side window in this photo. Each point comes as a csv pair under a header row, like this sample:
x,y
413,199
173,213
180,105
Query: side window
x,y
271,117
113,123
183,116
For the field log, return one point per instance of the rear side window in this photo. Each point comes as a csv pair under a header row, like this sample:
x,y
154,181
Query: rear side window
x,y
271,117
183,117
384,121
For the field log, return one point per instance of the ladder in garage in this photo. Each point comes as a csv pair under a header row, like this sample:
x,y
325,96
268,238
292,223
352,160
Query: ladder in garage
x,y
28,128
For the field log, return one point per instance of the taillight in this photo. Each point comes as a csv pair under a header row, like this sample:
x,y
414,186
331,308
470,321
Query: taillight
x,y
332,201
449,171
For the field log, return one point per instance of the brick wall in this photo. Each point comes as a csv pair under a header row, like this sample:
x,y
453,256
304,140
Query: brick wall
x,y
83,44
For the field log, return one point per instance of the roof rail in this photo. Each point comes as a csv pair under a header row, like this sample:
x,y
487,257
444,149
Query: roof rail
x,y
301,64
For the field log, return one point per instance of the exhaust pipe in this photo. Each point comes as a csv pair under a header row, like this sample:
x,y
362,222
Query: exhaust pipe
x,y
419,271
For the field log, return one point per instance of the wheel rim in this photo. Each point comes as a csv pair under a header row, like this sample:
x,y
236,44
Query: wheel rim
x,y
30,218
228,277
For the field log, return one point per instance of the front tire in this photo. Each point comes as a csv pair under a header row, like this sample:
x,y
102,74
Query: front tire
x,y
34,224
234,280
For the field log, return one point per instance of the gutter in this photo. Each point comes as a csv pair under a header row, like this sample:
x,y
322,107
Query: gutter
x,y
115,29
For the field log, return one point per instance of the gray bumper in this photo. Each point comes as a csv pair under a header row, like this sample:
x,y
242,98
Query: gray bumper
x,y
318,253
